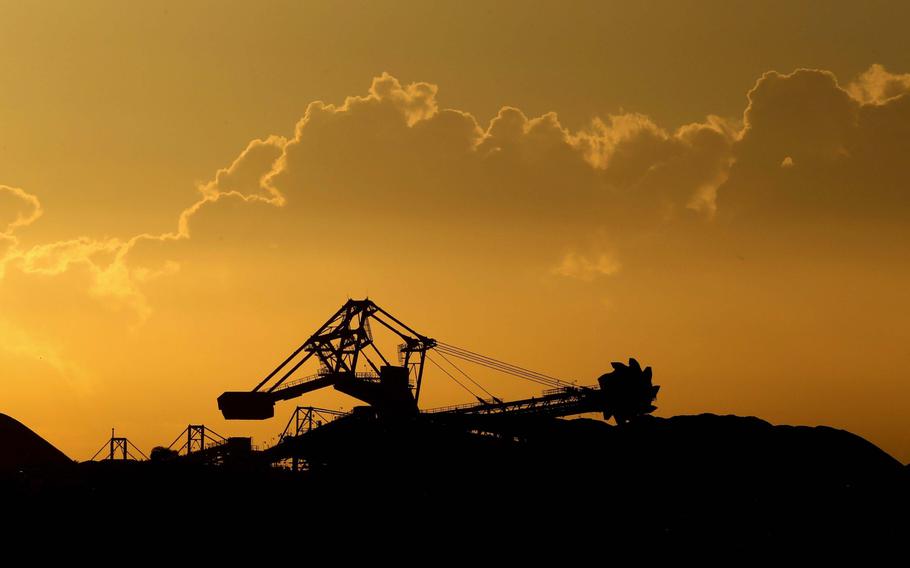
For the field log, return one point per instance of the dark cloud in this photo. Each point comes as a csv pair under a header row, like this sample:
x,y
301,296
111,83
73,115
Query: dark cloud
x,y
813,155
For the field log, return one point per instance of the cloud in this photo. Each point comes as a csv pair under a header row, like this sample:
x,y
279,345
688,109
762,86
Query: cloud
x,y
586,268
845,141
408,170
113,277
394,168
877,86
21,208
18,209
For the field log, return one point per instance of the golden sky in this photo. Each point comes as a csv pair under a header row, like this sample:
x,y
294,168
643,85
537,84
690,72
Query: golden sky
x,y
188,190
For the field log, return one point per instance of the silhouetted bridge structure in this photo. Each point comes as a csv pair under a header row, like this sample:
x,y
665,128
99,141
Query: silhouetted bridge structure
x,y
119,448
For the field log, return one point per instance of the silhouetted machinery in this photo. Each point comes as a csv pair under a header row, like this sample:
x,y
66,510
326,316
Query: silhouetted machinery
x,y
344,344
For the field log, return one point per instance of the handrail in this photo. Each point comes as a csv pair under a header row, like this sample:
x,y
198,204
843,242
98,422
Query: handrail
x,y
322,374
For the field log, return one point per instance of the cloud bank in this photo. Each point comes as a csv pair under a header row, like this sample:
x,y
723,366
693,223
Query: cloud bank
x,y
806,151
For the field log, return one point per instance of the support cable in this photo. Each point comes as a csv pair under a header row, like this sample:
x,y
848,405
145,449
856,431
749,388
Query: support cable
x,y
516,368
454,379
505,369
493,396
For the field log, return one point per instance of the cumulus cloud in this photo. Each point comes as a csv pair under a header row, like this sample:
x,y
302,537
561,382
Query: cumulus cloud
x,y
113,277
394,158
845,141
393,162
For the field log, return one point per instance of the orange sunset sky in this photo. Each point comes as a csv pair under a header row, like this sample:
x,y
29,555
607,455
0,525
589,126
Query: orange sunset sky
x,y
189,189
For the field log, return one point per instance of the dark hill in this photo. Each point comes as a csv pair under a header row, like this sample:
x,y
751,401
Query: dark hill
x,y
702,480
712,446
22,448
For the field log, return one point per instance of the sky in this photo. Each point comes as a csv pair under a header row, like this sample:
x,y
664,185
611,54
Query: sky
x,y
719,189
